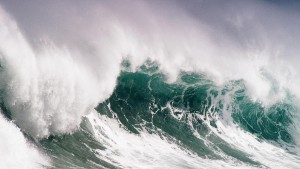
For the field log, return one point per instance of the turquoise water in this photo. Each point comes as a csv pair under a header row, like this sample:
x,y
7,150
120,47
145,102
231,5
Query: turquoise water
x,y
183,112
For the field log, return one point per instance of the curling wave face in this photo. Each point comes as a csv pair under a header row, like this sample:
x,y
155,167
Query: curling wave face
x,y
191,123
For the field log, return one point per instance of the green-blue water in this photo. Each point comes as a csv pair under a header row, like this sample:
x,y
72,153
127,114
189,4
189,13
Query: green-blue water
x,y
184,112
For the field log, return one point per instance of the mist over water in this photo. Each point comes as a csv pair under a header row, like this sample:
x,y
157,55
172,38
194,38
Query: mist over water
x,y
150,84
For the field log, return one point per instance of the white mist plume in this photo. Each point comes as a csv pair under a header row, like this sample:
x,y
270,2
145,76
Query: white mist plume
x,y
50,87
46,92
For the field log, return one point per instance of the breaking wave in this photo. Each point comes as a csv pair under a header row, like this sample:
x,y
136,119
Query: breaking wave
x,y
137,87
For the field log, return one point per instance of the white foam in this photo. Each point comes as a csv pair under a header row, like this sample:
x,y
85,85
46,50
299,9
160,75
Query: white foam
x,y
16,152
261,151
144,151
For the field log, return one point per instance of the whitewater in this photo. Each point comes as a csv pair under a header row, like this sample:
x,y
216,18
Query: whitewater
x,y
149,84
